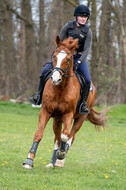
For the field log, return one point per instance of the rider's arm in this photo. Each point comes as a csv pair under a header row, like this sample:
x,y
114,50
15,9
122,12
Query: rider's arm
x,y
87,46
63,33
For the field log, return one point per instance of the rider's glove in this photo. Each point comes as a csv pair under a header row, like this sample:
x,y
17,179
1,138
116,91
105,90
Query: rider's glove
x,y
76,65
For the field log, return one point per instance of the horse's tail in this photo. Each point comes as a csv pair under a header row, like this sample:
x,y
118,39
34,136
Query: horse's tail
x,y
98,118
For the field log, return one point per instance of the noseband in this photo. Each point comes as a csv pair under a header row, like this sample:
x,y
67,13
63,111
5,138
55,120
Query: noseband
x,y
62,71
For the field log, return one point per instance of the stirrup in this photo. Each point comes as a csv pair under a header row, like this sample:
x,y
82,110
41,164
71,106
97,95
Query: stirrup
x,y
33,99
83,109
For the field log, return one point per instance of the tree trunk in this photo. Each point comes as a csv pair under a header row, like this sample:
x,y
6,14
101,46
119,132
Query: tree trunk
x,y
30,46
104,48
42,43
94,59
8,65
22,72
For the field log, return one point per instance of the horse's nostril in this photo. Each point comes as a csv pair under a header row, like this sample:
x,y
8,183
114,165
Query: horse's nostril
x,y
59,80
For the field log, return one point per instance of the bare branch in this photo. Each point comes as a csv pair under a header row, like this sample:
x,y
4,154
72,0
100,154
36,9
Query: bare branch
x,y
71,3
114,9
9,8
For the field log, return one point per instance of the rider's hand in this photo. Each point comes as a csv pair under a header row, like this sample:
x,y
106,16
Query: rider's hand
x,y
76,65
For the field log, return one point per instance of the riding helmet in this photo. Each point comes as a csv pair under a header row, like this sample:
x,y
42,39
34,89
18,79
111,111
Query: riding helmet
x,y
82,10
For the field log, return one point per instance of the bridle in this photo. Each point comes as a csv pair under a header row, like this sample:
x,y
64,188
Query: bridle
x,y
62,71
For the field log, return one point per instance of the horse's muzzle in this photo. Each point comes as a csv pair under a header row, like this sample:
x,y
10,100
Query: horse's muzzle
x,y
56,78
56,82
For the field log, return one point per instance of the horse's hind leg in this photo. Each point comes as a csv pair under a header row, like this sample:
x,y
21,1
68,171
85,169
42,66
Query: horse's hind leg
x,y
75,128
43,119
57,127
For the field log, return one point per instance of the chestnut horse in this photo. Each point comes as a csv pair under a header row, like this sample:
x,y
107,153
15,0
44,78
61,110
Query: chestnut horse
x,y
60,97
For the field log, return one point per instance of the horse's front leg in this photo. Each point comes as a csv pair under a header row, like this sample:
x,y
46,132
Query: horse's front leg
x,y
43,119
64,146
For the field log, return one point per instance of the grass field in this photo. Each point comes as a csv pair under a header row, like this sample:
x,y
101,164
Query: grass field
x,y
96,161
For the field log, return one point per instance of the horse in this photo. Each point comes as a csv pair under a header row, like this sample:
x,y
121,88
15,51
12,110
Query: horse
x,y
60,98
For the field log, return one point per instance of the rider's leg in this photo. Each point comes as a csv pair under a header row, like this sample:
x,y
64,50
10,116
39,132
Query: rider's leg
x,y
37,98
83,68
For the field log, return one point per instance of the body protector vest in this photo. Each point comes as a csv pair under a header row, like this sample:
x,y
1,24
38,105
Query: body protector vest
x,y
81,35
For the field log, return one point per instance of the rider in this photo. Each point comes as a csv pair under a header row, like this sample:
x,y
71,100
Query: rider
x,y
76,29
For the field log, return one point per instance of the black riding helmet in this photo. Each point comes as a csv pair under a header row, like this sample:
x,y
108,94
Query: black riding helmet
x,y
82,10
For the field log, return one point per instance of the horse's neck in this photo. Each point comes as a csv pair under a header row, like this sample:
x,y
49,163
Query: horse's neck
x,y
69,74
67,81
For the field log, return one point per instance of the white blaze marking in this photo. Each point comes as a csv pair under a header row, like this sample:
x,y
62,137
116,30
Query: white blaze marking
x,y
56,75
60,57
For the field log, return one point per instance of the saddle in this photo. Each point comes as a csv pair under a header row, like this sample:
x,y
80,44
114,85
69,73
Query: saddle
x,y
81,80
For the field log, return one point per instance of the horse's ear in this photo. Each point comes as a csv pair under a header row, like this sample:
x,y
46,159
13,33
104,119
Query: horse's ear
x,y
58,40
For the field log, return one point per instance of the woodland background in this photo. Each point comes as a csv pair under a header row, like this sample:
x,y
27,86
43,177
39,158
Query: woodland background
x,y
27,39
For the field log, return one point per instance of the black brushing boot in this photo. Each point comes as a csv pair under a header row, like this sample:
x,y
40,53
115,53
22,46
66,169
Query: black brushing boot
x,y
37,97
85,92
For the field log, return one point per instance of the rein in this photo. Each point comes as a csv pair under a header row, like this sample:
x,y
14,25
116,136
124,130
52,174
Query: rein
x,y
62,71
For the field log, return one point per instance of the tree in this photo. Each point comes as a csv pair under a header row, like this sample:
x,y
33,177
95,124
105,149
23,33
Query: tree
x,y
7,51
42,42
30,45
94,49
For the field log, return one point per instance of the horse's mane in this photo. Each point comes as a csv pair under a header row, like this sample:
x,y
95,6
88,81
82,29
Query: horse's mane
x,y
70,43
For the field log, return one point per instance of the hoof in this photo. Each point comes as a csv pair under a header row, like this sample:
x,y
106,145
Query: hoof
x,y
59,163
60,155
27,166
28,163
50,165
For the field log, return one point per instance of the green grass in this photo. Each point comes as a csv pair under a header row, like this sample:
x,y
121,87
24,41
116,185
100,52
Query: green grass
x,y
96,161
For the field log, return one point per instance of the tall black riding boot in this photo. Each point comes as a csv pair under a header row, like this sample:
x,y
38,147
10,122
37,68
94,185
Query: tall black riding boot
x,y
37,97
85,92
